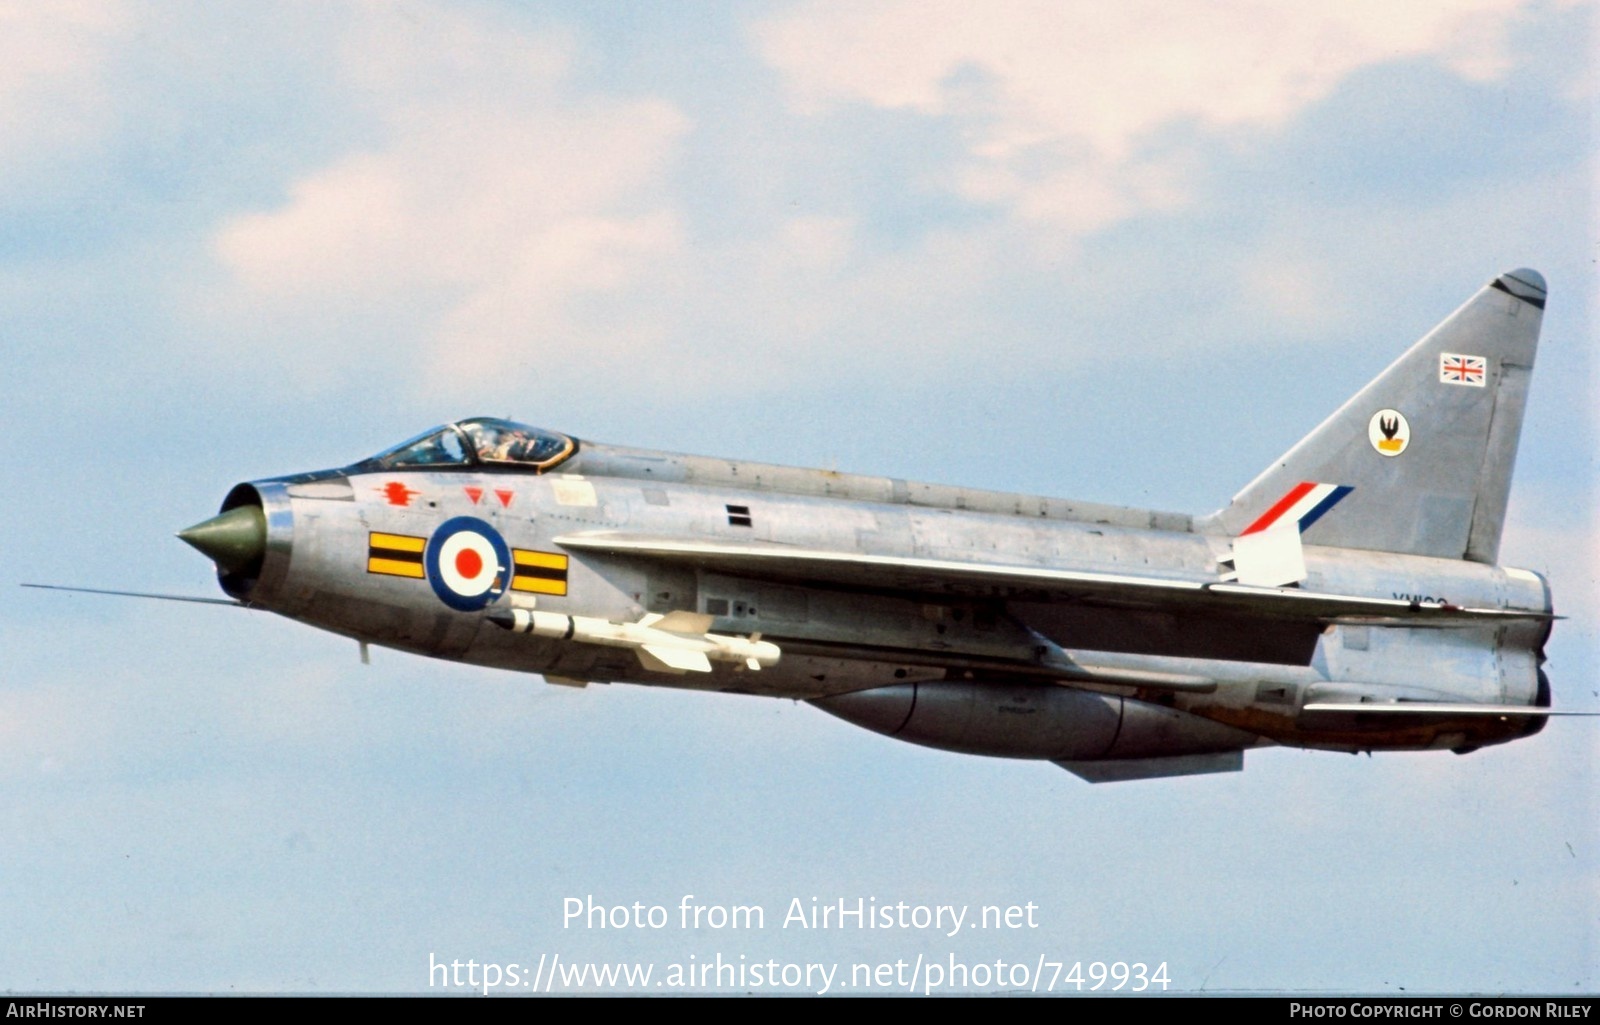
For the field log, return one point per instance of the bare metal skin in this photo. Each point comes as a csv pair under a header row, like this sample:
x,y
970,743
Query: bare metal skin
x,y
1347,599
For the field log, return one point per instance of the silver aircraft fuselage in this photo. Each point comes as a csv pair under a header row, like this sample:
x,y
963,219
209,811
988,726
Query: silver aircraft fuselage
x,y
1119,643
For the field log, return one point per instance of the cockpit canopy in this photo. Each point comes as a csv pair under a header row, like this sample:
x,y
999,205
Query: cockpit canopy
x,y
482,442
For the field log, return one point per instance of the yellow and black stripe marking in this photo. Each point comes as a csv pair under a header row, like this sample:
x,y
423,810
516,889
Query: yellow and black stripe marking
x,y
539,572
395,555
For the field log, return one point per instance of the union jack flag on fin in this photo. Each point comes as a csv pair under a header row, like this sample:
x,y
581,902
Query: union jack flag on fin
x,y
1455,368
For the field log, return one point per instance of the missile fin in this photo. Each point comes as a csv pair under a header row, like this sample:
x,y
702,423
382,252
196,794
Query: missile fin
x,y
666,659
683,623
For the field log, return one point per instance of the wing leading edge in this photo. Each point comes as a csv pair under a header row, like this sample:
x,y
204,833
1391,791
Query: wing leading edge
x,y
896,574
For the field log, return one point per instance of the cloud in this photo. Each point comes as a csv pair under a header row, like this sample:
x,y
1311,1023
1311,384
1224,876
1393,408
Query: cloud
x,y
440,203
489,198
457,201
54,95
1061,105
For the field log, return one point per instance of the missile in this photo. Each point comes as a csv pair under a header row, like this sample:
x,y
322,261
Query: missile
x,y
677,642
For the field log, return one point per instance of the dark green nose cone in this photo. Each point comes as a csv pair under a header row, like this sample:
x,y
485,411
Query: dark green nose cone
x,y
233,540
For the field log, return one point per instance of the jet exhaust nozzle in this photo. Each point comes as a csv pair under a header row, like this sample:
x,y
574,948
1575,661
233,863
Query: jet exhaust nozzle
x,y
234,540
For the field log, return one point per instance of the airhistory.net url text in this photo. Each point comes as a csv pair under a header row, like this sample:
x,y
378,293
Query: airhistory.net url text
x,y
552,974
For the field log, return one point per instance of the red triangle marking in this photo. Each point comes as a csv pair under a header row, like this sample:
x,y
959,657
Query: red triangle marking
x,y
505,497
473,493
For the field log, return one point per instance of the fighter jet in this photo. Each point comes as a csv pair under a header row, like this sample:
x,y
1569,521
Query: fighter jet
x,y
1347,599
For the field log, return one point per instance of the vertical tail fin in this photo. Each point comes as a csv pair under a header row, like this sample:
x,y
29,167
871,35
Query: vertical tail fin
x,y
1420,461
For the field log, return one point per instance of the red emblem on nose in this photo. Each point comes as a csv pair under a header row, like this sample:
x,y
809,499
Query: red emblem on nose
x,y
397,493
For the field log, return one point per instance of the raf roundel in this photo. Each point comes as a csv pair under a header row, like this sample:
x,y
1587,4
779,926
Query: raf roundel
x,y
468,563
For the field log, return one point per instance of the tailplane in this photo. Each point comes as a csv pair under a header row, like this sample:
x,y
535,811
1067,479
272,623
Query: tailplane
x,y
1420,461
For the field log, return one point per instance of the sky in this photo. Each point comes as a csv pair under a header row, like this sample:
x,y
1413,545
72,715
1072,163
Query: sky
x,y
1122,255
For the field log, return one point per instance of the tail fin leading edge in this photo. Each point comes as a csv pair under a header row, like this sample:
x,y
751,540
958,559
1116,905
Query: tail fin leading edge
x,y
1421,458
